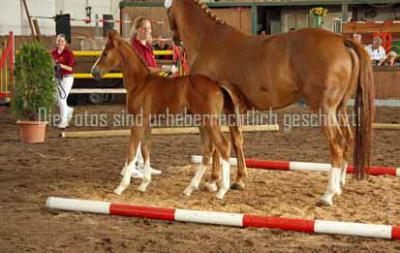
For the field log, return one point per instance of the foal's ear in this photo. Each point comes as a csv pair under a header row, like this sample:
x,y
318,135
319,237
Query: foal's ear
x,y
113,36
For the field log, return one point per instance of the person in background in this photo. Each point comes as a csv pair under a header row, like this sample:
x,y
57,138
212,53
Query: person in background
x,y
141,37
357,38
64,63
391,59
376,51
161,44
263,33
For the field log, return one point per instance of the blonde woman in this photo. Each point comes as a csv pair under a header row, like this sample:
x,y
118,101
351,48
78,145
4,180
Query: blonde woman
x,y
141,42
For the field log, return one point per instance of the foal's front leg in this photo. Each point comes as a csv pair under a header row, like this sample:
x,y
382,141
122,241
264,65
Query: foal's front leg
x,y
211,185
201,169
146,157
136,135
138,159
223,148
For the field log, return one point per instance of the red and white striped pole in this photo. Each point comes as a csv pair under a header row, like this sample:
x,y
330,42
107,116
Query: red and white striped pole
x,y
303,166
227,219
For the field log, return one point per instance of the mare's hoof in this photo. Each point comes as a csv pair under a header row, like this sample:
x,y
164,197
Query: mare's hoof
x,y
324,202
238,186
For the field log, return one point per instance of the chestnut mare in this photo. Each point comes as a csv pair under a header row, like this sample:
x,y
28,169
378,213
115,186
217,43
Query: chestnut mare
x,y
150,94
275,71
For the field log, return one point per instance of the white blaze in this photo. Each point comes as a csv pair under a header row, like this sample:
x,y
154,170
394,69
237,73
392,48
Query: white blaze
x,y
168,3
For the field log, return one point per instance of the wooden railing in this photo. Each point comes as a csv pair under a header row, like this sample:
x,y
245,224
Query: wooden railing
x,y
7,67
110,75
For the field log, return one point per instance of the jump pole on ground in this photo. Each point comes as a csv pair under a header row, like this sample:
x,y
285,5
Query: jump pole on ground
x,y
227,219
303,166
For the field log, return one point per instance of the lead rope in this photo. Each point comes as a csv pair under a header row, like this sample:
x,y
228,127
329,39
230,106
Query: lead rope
x,y
60,88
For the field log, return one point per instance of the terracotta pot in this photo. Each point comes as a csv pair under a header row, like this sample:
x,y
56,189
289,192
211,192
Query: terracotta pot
x,y
32,131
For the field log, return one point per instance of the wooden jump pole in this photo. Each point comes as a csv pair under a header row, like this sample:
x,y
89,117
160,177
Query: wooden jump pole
x,y
161,131
386,126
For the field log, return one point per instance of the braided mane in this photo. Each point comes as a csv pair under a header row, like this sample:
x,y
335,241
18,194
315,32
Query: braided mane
x,y
204,6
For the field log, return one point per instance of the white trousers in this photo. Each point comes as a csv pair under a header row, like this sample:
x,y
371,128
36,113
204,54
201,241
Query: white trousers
x,y
62,96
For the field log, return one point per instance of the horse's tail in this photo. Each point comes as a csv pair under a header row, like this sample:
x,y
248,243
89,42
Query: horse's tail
x,y
364,111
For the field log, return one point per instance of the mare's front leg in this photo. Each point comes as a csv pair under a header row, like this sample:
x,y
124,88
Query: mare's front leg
x,y
146,145
136,136
237,140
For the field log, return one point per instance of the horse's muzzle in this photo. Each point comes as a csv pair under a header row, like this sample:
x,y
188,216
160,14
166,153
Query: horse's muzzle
x,y
96,74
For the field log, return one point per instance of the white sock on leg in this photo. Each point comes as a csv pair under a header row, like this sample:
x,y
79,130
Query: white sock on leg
x,y
225,182
332,188
194,184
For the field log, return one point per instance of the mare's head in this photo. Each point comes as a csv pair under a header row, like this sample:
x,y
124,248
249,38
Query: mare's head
x,y
109,58
189,14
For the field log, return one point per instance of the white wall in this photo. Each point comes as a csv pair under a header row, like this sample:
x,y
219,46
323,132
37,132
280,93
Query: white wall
x,y
43,8
10,17
13,17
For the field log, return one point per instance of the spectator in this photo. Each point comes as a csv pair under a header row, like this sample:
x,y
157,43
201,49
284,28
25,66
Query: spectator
x,y
357,38
376,51
263,33
391,59
161,44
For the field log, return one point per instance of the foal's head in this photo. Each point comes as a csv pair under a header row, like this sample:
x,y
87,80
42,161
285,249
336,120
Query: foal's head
x,y
109,58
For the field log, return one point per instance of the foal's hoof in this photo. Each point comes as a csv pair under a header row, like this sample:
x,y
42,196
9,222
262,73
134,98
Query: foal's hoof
x,y
119,190
212,187
238,186
220,195
188,191
142,188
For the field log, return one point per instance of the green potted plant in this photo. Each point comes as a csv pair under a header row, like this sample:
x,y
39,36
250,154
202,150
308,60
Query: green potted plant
x,y
34,90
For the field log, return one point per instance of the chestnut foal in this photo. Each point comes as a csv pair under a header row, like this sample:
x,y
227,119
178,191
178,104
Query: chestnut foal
x,y
150,95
